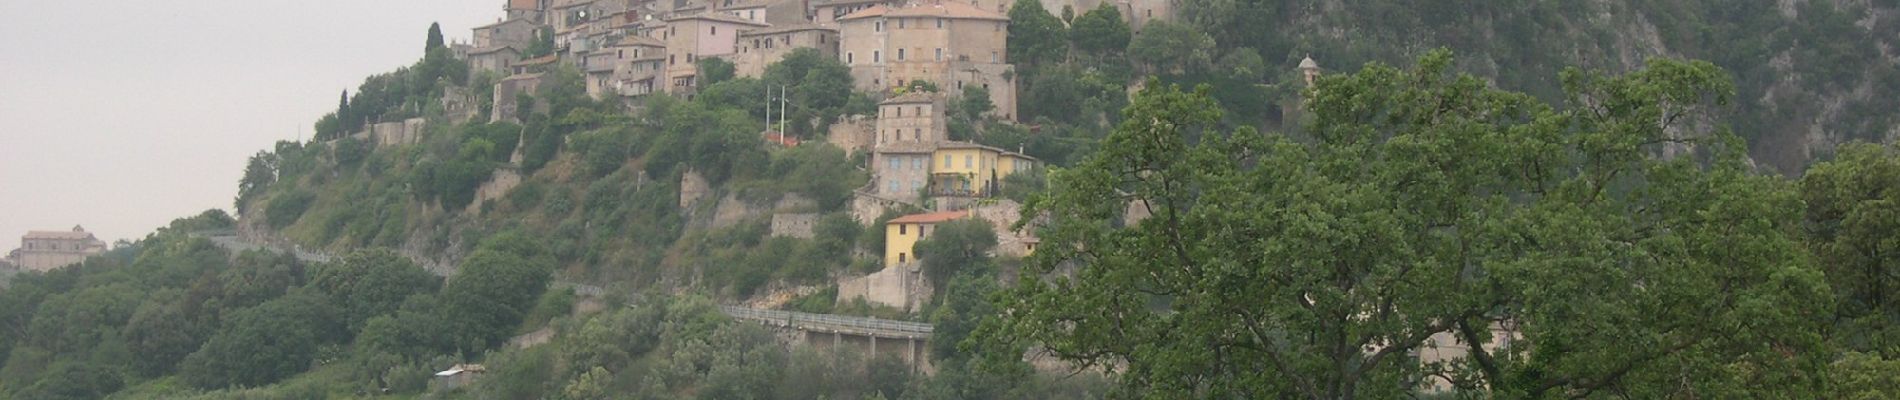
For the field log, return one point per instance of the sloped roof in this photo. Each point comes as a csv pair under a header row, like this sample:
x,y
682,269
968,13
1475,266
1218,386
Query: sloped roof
x,y
638,40
788,28
929,218
718,17
505,22
66,235
946,9
542,60
487,50
910,98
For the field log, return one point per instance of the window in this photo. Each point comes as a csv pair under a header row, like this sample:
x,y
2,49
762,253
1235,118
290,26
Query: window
x,y
673,30
919,110
689,58
916,163
900,23
892,162
900,52
848,57
715,30
900,256
917,133
900,111
969,161
877,26
946,161
992,55
903,229
940,23
876,56
939,54
670,59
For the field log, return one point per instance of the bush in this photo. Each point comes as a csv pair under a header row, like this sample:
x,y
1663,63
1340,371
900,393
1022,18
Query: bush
x,y
286,208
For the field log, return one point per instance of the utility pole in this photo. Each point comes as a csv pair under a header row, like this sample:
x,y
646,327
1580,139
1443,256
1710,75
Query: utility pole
x,y
768,107
782,98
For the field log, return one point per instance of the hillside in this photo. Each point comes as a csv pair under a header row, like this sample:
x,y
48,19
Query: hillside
x,y
1809,74
1554,186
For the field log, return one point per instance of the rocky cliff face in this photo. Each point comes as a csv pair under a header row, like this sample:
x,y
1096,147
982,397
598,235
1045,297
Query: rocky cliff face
x,y
1809,74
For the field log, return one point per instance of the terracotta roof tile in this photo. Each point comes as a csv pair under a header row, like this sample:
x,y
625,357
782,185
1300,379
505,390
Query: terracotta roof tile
x,y
720,17
944,9
929,218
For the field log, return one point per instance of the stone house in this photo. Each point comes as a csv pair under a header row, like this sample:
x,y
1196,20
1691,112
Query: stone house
x,y
535,65
828,12
948,43
517,33
908,129
530,10
495,59
690,38
760,48
506,108
775,12
47,250
642,63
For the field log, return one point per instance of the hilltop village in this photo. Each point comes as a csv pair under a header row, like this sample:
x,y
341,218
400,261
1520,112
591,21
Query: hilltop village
x,y
631,48
914,58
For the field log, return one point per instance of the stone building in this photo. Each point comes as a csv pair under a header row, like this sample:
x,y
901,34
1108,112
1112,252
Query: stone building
x,y
775,12
691,38
636,65
505,108
529,10
494,59
948,43
760,48
47,250
828,12
908,129
517,33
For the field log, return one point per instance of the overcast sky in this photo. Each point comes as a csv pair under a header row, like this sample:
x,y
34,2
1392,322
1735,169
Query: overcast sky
x,y
123,115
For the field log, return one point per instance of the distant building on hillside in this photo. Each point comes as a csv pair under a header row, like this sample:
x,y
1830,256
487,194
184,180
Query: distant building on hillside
x,y
694,37
948,43
760,48
46,250
912,157
902,234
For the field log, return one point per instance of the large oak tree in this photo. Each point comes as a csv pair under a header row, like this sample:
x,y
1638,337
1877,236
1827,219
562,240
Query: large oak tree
x,y
1619,244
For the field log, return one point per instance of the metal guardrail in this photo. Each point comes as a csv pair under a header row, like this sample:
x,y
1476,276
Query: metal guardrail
x,y
796,319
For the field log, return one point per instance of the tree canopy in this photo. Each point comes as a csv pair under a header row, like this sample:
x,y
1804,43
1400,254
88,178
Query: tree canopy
x,y
1617,245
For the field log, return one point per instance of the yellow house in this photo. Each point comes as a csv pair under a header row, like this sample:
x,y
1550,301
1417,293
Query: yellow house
x,y
1012,162
902,233
972,170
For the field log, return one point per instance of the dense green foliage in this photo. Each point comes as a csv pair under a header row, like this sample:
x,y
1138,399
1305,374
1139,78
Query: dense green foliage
x,y
1424,202
173,314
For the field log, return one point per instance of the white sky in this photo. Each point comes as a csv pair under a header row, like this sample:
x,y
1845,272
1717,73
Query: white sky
x,y
122,115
